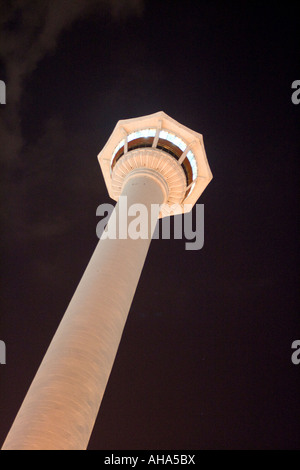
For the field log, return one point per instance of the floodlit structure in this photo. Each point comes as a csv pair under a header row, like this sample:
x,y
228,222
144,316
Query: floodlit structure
x,y
150,160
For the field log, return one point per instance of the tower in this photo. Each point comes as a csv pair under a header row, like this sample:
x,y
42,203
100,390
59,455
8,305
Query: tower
x,y
151,160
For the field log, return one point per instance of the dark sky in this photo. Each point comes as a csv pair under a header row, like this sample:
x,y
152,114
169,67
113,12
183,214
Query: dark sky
x,y
205,359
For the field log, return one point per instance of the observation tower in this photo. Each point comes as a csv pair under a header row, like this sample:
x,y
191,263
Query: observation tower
x,y
151,160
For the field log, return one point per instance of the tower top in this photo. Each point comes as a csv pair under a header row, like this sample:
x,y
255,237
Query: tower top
x,y
158,143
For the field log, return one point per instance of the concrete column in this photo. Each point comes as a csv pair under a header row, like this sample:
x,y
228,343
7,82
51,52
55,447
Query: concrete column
x,y
61,406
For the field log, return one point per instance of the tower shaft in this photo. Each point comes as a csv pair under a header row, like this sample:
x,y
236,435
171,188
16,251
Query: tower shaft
x,y
61,406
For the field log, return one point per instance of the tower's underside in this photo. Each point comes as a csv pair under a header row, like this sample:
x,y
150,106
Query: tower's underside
x,y
158,142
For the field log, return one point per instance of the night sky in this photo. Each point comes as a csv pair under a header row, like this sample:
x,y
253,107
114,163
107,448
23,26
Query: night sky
x,y
205,358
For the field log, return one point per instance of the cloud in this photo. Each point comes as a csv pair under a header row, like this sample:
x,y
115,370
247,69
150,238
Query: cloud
x,y
29,29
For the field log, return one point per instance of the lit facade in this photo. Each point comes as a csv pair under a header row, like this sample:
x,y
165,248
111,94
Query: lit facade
x,y
149,160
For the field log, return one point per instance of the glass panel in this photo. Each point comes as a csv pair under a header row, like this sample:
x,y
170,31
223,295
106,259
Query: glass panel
x,y
120,144
180,144
141,133
131,137
173,139
192,160
149,132
163,135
